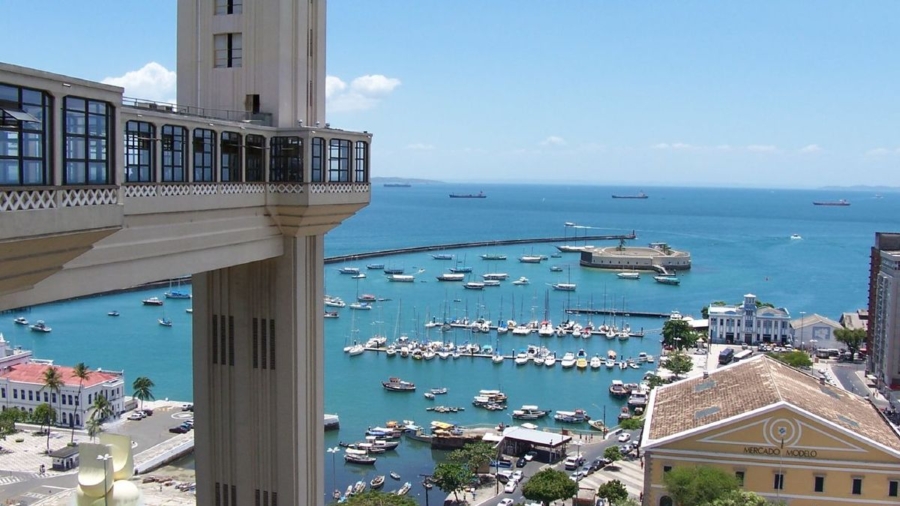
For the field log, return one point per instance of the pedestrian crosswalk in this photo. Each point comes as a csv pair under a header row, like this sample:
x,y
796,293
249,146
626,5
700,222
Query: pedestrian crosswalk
x,y
628,472
9,480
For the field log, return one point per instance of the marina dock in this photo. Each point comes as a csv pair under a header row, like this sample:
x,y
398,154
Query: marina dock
x,y
613,312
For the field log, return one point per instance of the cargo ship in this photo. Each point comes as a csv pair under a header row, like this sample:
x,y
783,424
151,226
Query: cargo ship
x,y
838,203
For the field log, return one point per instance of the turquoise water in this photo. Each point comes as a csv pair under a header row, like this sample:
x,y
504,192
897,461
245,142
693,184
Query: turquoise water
x,y
739,240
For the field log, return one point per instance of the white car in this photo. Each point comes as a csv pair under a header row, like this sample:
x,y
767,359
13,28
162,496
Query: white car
x,y
518,475
624,437
510,486
507,502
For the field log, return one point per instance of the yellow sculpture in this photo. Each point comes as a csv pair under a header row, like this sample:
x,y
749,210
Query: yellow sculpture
x,y
104,473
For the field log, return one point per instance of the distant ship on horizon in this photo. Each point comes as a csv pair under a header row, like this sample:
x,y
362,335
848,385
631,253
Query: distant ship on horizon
x,y
397,185
479,195
640,195
839,203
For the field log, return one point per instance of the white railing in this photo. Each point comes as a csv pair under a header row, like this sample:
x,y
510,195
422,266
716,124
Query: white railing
x,y
27,199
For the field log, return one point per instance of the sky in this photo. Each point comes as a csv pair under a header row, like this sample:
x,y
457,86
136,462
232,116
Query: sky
x,y
779,94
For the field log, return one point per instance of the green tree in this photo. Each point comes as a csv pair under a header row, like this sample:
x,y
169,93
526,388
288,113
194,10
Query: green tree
x,y
53,382
81,372
632,423
852,338
549,485
614,491
796,358
690,486
101,409
142,389
94,427
679,363
8,419
705,311
377,498
475,456
451,477
654,381
612,454
743,498
44,414
678,334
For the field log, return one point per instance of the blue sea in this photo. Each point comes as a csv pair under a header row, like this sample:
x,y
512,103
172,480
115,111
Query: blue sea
x,y
739,240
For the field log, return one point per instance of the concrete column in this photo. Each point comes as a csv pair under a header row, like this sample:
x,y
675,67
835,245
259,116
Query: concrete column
x,y
258,379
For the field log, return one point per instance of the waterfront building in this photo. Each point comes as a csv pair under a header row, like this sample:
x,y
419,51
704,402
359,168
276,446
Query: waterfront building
x,y
883,334
22,387
781,432
815,331
749,324
236,184
657,259
853,320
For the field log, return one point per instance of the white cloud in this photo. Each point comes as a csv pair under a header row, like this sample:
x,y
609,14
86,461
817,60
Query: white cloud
x,y
811,148
723,147
881,151
553,140
150,82
419,147
762,148
661,145
364,92
682,146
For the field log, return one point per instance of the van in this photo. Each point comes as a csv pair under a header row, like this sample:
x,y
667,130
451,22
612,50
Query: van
x,y
726,355
571,463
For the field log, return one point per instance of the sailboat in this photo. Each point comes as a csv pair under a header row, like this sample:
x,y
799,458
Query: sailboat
x,y
164,321
568,286
177,293
355,348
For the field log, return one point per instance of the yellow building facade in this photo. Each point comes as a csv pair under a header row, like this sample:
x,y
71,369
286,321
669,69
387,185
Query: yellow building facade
x,y
782,433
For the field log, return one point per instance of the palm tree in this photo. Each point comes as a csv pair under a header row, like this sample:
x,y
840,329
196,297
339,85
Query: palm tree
x,y
101,409
81,372
142,386
94,427
52,381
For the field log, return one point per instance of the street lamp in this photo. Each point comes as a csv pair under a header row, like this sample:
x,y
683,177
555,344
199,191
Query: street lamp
x,y
333,451
105,457
802,313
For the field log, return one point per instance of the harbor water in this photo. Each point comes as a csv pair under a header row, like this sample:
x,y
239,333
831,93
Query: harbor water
x,y
740,241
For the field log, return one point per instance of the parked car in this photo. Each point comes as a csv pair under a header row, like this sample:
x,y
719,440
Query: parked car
x,y
571,463
521,462
507,502
530,455
179,429
137,415
598,464
518,475
147,412
510,486
501,463
578,475
187,407
624,437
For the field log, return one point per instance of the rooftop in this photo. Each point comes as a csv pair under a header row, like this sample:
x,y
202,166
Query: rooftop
x,y
32,372
757,383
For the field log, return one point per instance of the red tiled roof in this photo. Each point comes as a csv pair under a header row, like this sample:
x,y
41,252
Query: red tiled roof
x,y
34,373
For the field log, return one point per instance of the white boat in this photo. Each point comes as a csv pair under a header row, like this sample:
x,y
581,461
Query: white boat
x,y
474,285
497,359
20,321
364,306
349,270
491,282
499,276
334,301
165,322
531,259
451,276
401,278
568,360
40,326
404,489
152,301
521,358
356,349
529,412
596,362
521,281
550,360
610,363
391,351
629,275
546,329
795,237
667,280
361,275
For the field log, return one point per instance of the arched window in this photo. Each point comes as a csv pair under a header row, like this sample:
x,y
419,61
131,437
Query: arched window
x,y
140,152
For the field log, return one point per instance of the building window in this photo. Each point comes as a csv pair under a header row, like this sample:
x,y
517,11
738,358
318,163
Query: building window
x,y
819,485
229,50
362,162
318,160
174,154
46,397
3,393
285,159
53,397
779,481
739,475
892,486
255,152
231,157
24,136
857,486
15,393
339,161
229,6
204,155
140,154
31,395
86,152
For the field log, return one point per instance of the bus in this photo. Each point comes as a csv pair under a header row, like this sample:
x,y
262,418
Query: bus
x,y
726,356
741,355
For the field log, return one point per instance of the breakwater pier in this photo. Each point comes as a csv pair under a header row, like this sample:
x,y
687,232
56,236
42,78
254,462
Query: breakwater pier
x,y
475,244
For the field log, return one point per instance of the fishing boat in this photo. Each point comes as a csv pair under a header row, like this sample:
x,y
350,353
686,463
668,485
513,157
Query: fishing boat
x,y
493,256
375,267
177,294
366,297
618,389
152,301
479,195
529,412
597,425
404,489
629,275
577,416
112,313
521,281
395,475
394,270
398,385
359,458
667,280
499,276
349,270
21,320
40,326
451,276
474,285
439,391
639,195
492,282
564,287
837,203
377,482
331,314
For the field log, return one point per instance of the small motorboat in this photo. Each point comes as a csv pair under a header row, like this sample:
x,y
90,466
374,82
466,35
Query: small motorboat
x,y
40,326
152,301
629,275
439,391
398,385
404,489
395,475
189,310
375,267
521,281
795,237
429,395
597,425
331,314
20,321
112,313
361,275
165,322
377,482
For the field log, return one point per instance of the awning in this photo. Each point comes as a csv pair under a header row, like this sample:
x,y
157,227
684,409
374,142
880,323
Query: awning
x,y
21,115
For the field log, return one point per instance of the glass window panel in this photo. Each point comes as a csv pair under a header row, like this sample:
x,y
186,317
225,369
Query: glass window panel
x,y
38,112
9,171
9,93
97,149
97,173
75,104
75,147
75,173
75,123
96,107
34,97
97,125
32,145
9,143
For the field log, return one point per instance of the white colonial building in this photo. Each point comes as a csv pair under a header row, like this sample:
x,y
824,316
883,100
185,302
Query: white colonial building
x,y
22,387
749,324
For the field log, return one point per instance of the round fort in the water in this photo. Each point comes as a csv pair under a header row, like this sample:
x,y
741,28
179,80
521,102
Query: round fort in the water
x,y
656,257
